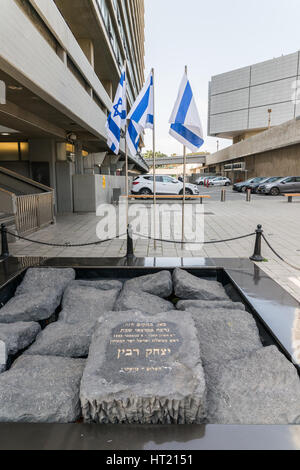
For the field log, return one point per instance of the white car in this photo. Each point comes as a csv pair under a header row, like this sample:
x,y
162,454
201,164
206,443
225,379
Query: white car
x,y
220,181
143,185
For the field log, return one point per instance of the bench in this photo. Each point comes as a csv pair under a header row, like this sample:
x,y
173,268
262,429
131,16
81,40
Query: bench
x,y
290,196
151,196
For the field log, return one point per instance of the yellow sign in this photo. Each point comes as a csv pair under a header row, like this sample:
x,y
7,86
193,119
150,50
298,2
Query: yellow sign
x,y
103,182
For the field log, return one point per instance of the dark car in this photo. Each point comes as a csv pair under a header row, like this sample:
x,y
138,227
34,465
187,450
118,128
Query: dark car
x,y
242,186
257,181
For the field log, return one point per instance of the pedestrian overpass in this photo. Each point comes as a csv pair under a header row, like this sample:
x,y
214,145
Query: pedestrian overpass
x,y
178,160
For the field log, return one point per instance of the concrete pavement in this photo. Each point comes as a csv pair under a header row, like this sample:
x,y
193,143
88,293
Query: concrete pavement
x,y
280,220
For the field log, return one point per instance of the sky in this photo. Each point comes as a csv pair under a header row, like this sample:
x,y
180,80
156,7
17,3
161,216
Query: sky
x,y
210,37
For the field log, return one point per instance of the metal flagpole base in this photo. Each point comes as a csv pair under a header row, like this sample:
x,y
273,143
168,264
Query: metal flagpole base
x,y
130,251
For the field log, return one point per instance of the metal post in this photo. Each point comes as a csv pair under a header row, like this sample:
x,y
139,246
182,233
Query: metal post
x,y
126,155
184,188
4,242
154,166
257,248
130,252
126,176
223,195
248,195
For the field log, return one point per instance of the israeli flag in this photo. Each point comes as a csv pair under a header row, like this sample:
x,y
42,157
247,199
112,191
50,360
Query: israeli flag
x,y
117,118
141,116
185,121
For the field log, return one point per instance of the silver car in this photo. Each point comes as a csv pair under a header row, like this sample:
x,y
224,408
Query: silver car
x,y
289,184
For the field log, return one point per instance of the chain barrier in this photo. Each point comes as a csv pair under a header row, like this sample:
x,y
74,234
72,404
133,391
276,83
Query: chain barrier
x,y
194,243
256,257
278,255
67,244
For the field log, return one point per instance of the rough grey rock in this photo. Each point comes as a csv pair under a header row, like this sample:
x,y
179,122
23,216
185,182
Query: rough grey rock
x,y
65,340
159,284
31,306
147,303
187,286
41,389
86,304
18,336
262,388
103,284
144,369
3,356
225,334
37,279
209,304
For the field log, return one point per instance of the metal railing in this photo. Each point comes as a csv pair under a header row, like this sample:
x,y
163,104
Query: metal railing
x,y
34,211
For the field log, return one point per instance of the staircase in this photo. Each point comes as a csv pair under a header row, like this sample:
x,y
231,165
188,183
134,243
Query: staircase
x,y
25,203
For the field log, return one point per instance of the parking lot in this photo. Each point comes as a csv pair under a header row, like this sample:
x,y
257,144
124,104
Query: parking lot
x,y
215,193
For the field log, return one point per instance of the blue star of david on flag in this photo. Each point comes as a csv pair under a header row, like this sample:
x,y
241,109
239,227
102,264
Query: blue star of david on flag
x,y
121,113
117,118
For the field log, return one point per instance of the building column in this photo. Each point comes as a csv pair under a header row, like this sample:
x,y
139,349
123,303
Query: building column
x,y
87,47
78,158
108,87
42,158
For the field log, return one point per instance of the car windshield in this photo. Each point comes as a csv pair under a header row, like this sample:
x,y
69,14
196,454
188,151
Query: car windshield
x,y
271,180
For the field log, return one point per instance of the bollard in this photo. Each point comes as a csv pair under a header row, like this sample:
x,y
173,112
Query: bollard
x,y
223,195
257,248
4,242
248,195
130,252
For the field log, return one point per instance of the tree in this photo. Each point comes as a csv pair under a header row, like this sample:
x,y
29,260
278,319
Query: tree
x,y
149,154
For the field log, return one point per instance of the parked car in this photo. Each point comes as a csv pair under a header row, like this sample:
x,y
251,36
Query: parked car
x,y
236,186
143,185
242,186
256,183
203,179
220,181
289,184
259,187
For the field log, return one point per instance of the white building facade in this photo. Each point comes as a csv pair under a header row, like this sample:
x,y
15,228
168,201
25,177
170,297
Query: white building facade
x,y
249,100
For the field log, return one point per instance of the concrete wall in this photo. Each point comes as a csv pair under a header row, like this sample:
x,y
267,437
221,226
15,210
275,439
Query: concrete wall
x,y
64,187
280,162
282,136
89,190
105,195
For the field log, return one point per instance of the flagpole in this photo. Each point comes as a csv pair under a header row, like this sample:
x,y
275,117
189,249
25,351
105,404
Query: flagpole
x,y
154,164
184,188
126,157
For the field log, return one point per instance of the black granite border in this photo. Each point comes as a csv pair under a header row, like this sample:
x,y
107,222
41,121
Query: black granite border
x,y
269,302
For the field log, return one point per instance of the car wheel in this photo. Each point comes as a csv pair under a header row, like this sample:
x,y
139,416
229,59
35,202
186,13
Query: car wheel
x,y
244,189
145,192
188,192
275,192
227,184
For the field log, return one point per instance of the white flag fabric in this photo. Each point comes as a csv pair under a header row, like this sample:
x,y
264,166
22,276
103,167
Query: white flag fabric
x,y
117,118
141,116
185,121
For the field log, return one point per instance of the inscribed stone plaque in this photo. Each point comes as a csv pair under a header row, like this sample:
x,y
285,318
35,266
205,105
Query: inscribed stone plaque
x,y
144,369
